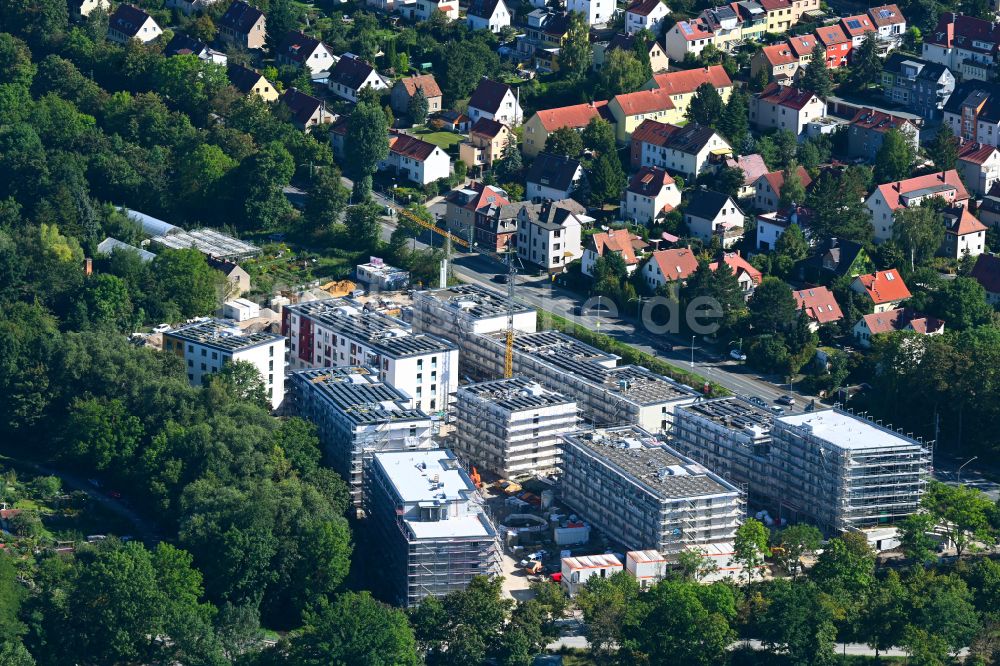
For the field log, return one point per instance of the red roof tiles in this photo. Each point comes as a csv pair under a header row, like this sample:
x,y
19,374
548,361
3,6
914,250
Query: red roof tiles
x,y
576,116
645,101
688,80
884,286
676,264
891,192
818,304
786,96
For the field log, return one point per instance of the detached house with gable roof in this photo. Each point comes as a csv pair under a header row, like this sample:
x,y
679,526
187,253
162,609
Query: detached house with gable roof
x,y
306,111
767,189
673,265
495,101
987,273
492,15
899,319
548,233
544,122
885,289
963,234
779,61
645,15
619,241
687,150
785,108
964,44
658,60
127,23
415,159
553,177
868,128
650,194
837,43
300,50
250,82
819,306
243,24
890,197
405,88
890,24
687,37
351,75
711,213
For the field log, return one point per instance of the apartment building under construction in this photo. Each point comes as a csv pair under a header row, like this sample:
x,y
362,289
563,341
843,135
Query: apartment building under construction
x,y
829,467
512,427
606,393
429,523
645,495
357,414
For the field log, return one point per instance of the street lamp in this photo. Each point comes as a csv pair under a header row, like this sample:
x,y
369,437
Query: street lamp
x,y
959,474
692,350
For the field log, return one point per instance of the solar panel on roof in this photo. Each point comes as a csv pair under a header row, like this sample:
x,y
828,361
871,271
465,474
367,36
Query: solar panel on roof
x,y
885,13
854,24
686,29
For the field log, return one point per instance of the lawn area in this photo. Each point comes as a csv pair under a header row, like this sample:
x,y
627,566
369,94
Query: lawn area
x,y
443,139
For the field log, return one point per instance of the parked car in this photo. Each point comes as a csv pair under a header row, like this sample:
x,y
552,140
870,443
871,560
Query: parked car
x,y
779,411
500,278
786,400
757,400
737,354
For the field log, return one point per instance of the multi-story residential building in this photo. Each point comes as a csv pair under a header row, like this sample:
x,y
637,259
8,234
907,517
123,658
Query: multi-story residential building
x,y
979,166
495,101
830,467
337,332
973,112
206,346
597,12
486,142
884,289
964,44
632,109
735,24
356,415
423,10
682,86
416,160
553,177
606,394
890,24
496,225
243,24
890,197
544,122
463,312
127,23
512,427
779,15
650,193
544,30
645,15
857,27
644,494
462,206
492,15
430,523
868,129
688,151
922,87
785,108
548,233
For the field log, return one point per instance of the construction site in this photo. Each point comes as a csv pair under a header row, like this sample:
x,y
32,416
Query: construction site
x,y
430,522
830,467
356,415
645,495
512,427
